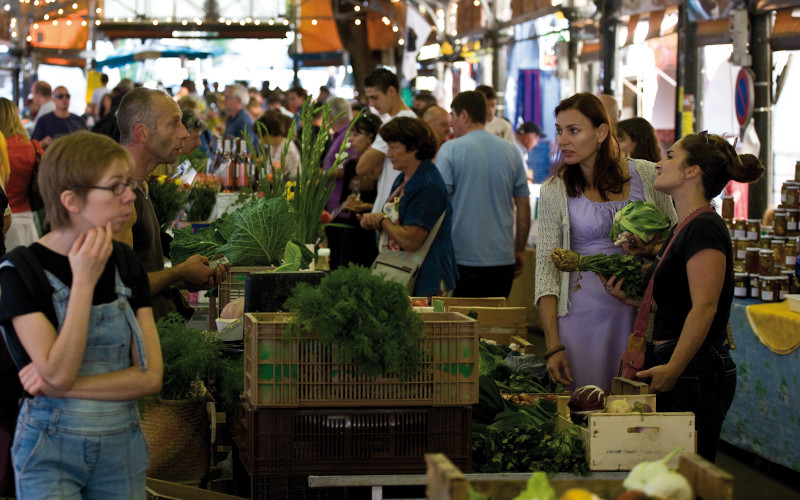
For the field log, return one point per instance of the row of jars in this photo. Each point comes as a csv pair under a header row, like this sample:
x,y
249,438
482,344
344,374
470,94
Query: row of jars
x,y
764,288
786,223
781,254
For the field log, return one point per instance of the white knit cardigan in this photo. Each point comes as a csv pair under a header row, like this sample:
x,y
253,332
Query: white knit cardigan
x,y
554,230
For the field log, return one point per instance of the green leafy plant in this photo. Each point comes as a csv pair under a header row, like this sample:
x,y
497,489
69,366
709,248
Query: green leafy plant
x,y
639,218
188,354
202,197
621,266
261,230
370,321
167,196
206,242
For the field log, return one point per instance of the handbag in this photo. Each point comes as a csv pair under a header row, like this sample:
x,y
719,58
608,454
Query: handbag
x,y
632,360
34,196
403,267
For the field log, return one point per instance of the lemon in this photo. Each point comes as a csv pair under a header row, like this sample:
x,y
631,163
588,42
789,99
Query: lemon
x,y
578,494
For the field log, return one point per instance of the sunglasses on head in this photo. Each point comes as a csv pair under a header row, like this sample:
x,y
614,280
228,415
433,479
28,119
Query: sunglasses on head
x,y
62,96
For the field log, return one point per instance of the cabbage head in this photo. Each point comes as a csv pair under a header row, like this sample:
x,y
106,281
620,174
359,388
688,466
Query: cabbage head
x,y
639,218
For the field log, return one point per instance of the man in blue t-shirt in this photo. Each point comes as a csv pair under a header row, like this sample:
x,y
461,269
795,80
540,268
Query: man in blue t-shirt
x,y
235,99
486,182
59,122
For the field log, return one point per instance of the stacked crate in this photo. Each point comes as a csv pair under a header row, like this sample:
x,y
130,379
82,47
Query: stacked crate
x,y
304,413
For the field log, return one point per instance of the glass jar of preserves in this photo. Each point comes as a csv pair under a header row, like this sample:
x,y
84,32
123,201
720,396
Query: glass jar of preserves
x,y
741,249
753,229
778,247
779,223
792,242
783,287
727,207
755,286
739,228
792,195
729,225
741,283
751,260
770,288
791,280
766,261
792,219
784,188
764,242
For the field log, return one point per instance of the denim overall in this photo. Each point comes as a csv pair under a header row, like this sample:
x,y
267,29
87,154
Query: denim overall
x,y
79,448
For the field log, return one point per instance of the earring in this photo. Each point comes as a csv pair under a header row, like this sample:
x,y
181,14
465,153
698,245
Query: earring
x,y
598,146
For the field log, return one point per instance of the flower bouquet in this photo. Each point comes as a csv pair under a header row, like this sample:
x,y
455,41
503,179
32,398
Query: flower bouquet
x,y
167,196
202,197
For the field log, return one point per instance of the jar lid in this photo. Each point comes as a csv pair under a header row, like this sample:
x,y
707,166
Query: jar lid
x,y
754,221
778,239
753,249
783,213
788,272
770,278
782,277
766,250
740,275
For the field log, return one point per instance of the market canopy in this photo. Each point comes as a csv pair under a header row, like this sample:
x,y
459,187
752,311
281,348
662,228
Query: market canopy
x,y
155,52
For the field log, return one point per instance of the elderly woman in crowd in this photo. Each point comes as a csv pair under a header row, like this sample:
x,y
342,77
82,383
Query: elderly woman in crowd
x,y
418,200
272,120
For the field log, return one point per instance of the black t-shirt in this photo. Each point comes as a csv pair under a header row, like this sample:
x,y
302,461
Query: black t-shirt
x,y
17,300
671,285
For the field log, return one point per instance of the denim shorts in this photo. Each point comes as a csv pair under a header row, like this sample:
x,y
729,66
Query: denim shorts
x,y
705,388
62,451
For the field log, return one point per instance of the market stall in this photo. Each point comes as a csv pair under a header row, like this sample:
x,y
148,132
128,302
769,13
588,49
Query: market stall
x,y
763,418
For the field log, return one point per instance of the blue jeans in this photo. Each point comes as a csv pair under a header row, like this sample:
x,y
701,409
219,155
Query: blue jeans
x,y
63,452
705,388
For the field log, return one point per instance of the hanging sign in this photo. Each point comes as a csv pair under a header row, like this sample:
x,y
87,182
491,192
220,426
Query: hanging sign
x,y
743,96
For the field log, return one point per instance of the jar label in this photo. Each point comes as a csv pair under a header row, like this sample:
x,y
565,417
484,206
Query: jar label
x,y
791,225
752,235
740,291
754,293
739,233
782,294
766,296
790,260
741,254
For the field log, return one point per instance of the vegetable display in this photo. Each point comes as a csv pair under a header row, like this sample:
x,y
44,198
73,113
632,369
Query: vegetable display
x,y
585,400
368,319
638,218
621,266
656,480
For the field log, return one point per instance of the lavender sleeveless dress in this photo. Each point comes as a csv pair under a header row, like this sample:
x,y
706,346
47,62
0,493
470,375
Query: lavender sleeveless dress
x,y
596,329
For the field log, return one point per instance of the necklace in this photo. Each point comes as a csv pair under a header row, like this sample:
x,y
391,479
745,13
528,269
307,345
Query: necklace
x,y
701,207
143,189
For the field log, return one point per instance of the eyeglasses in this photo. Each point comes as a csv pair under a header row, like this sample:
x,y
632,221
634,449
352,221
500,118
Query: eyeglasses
x,y
117,188
62,96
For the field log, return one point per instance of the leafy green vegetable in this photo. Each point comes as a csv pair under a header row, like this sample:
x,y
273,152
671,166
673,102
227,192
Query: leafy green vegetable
x,y
538,488
370,321
206,242
639,218
261,230
622,266
492,365
188,354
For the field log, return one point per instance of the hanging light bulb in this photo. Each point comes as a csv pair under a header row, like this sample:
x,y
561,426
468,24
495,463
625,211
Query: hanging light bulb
x,y
358,22
313,22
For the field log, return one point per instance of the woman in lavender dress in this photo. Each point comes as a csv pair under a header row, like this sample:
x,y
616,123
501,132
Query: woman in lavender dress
x,y
585,329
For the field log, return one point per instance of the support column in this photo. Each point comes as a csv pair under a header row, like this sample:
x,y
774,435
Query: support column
x,y
686,73
759,194
609,33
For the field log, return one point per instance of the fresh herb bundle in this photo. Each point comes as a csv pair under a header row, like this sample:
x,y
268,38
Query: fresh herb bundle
x,y
621,266
188,354
370,321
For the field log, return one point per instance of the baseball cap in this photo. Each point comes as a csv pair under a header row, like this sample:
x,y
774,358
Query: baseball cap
x,y
530,127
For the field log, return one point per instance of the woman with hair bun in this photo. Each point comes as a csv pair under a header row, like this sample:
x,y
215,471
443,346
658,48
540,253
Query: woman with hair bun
x,y
689,365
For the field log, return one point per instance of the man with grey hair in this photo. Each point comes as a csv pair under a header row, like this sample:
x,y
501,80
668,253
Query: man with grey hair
x,y
151,129
42,99
235,99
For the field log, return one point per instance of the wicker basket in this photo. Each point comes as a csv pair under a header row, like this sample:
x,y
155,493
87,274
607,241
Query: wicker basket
x,y
178,434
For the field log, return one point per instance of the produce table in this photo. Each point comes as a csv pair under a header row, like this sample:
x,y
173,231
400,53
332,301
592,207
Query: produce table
x,y
765,415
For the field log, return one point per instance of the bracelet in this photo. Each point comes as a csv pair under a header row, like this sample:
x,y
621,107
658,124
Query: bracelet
x,y
556,348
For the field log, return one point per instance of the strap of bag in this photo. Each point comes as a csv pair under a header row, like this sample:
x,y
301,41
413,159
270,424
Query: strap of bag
x,y
422,251
640,326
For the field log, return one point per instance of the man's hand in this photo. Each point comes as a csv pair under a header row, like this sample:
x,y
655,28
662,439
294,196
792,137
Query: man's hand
x,y
519,263
196,275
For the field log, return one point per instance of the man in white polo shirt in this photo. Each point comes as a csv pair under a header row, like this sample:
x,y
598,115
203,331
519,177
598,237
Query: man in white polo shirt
x,y
383,93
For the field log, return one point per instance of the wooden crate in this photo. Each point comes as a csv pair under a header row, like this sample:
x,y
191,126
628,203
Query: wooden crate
x,y
303,373
619,441
499,324
446,482
163,490
472,301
